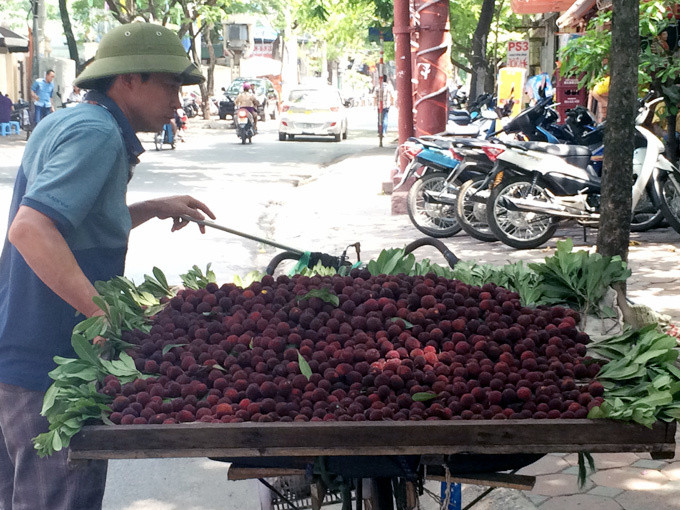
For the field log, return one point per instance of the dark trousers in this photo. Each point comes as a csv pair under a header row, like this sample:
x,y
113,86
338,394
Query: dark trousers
x,y
41,112
28,482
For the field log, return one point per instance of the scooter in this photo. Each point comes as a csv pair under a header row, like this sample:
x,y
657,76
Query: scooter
x,y
164,136
244,125
544,183
537,123
434,163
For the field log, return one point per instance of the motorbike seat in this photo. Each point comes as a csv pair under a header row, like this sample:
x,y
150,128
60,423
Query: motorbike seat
x,y
459,113
455,129
577,155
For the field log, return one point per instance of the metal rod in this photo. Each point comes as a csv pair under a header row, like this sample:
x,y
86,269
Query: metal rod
x,y
275,491
242,234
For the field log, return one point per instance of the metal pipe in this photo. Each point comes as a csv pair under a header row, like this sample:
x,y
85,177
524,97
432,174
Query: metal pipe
x,y
242,234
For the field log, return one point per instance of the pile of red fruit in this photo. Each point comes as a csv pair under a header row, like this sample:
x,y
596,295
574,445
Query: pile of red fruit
x,y
387,348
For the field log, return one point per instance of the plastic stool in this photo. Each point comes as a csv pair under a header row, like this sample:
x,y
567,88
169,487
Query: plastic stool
x,y
14,124
4,129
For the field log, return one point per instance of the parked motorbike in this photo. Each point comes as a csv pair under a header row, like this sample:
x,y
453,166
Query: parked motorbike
x,y
544,183
21,113
434,163
244,125
537,123
164,136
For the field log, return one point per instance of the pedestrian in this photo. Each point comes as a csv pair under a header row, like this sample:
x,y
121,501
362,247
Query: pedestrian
x,y
5,108
74,97
386,94
41,92
68,227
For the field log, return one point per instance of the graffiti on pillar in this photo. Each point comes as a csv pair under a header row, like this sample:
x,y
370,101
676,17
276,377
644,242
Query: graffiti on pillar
x,y
425,69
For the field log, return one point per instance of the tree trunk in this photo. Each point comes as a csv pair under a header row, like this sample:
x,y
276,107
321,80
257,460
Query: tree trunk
x,y
68,32
210,81
615,211
478,60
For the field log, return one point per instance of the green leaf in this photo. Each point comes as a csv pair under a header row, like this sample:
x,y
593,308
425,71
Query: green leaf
x,y
305,369
323,293
423,396
168,347
407,324
84,349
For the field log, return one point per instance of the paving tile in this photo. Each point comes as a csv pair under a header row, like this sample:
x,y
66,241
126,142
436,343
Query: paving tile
x,y
544,466
629,478
571,470
606,460
580,502
559,485
536,499
607,492
648,500
650,464
672,471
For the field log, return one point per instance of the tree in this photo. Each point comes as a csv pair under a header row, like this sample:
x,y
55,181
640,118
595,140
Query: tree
x,y
588,57
68,32
479,40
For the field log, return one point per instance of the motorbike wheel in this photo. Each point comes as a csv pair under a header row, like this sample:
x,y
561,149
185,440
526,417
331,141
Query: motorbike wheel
x,y
243,140
519,229
669,198
282,137
436,220
646,216
471,214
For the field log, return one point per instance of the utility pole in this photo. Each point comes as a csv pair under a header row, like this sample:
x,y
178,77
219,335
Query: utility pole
x,y
381,72
35,40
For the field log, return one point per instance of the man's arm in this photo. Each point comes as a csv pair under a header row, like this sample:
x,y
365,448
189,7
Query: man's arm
x,y
45,251
170,207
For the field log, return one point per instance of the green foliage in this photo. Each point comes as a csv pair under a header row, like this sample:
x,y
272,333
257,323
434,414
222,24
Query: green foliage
x,y
305,369
73,400
579,279
641,379
196,279
248,279
587,56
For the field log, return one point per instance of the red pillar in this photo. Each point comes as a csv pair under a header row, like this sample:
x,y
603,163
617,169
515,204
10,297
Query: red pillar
x,y
402,57
430,78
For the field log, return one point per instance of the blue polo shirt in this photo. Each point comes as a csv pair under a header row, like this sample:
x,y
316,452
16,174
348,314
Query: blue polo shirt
x,y
44,92
75,170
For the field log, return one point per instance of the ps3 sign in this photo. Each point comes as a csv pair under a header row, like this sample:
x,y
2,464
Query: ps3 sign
x,y
518,54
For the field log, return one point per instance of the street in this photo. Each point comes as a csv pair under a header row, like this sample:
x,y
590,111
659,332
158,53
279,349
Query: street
x,y
313,195
244,185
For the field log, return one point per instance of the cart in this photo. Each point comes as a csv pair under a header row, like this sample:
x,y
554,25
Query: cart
x,y
255,448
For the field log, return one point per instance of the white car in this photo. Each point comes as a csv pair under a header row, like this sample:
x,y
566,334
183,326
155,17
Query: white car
x,y
313,111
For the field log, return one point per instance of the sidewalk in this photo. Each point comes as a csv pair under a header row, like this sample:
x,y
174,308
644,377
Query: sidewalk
x,y
345,205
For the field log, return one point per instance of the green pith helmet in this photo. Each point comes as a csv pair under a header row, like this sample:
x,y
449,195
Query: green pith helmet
x,y
139,48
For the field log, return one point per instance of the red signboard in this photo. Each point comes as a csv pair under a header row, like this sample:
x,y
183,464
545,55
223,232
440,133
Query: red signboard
x,y
568,95
263,50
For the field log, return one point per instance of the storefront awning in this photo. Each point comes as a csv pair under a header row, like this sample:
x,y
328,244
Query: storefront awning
x,y
575,13
539,6
13,41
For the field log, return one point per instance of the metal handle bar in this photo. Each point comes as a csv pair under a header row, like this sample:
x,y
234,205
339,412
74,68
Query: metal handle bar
x,y
242,234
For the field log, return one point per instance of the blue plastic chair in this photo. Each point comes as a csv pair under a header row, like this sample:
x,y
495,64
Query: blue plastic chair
x,y
6,128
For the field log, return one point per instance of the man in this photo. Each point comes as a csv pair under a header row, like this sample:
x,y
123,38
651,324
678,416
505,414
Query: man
x,y
41,92
5,108
386,94
68,227
246,99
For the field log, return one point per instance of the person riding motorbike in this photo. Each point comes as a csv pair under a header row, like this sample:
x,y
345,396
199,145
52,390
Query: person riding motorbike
x,y
247,100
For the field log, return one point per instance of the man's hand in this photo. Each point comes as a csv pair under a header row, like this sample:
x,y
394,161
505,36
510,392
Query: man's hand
x,y
170,207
